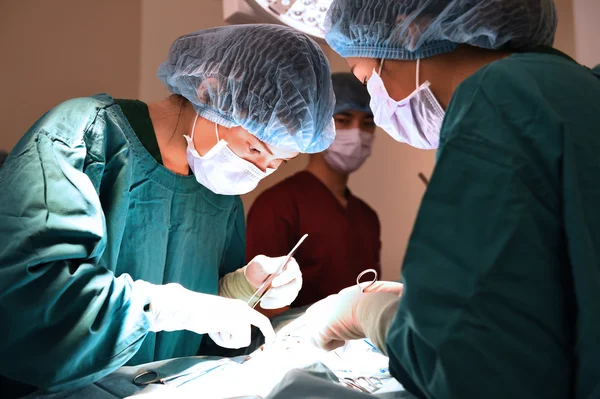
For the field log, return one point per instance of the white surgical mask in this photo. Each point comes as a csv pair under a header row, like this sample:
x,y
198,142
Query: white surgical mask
x,y
221,170
349,150
416,120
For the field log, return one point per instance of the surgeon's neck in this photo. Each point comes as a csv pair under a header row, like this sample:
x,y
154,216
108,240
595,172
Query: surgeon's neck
x,y
447,71
172,118
335,181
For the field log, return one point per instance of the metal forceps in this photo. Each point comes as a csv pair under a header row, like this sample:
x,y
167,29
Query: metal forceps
x,y
371,383
266,285
364,287
147,377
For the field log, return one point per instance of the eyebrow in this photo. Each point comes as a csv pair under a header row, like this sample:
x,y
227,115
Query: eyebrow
x,y
257,142
270,152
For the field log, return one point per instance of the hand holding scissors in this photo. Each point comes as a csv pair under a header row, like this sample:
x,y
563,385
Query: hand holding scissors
x,y
338,318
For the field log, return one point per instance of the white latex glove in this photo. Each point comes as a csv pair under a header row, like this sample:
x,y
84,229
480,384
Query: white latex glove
x,y
347,315
284,288
227,321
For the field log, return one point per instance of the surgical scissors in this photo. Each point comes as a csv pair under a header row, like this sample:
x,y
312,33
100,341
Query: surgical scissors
x,y
372,383
363,288
147,377
266,285
300,322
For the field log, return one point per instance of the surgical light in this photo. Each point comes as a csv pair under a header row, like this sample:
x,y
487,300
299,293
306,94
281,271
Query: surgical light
x,y
307,16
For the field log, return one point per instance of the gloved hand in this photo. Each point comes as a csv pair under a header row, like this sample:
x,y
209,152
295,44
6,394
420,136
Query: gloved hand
x,y
284,288
227,321
352,314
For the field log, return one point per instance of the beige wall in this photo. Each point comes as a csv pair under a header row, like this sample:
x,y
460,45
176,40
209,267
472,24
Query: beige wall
x,y
578,30
162,23
587,31
55,50
565,40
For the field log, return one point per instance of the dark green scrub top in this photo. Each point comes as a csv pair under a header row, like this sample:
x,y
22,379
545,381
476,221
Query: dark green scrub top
x,y
502,270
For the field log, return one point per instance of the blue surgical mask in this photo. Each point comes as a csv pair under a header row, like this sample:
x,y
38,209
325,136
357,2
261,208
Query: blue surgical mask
x,y
415,120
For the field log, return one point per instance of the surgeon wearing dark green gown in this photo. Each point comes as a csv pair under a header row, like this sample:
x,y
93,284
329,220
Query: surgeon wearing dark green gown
x,y
501,295
117,232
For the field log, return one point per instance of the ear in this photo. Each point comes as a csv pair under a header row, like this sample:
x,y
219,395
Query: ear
x,y
411,34
207,91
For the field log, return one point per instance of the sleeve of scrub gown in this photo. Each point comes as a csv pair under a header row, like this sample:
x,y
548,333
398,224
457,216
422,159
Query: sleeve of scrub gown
x,y
66,320
486,283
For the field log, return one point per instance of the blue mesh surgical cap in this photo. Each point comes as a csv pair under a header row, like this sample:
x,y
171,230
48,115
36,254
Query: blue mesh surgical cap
x,y
350,94
271,80
414,29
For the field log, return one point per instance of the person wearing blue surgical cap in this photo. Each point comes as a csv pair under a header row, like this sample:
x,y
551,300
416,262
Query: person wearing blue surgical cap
x,y
502,272
122,234
344,233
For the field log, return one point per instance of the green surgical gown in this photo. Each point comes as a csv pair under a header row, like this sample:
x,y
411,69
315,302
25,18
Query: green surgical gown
x,y
84,211
502,271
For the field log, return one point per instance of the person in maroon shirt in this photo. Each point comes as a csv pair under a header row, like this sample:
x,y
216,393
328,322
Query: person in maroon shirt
x,y
343,231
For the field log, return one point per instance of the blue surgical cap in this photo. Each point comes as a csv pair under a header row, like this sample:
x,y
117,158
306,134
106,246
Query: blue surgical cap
x,y
350,94
271,80
414,29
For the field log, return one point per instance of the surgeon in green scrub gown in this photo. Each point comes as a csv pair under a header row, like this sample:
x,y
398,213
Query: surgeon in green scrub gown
x,y
501,279
117,232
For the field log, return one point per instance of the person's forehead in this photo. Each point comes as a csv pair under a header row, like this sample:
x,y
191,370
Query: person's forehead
x,y
356,62
353,113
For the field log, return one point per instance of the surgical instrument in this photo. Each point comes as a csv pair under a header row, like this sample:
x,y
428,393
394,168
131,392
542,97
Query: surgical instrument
x,y
370,283
147,377
372,383
266,285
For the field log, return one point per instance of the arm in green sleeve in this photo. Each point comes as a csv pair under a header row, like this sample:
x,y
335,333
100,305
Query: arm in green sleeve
x,y
66,321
